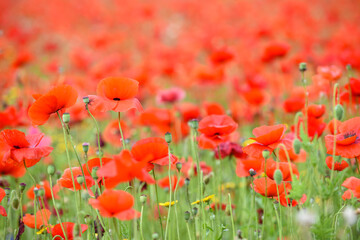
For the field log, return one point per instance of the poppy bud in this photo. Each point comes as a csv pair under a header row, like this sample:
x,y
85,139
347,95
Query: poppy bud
x,y
207,178
143,199
36,191
348,67
76,230
187,215
41,192
178,166
80,179
94,173
297,146
15,203
85,195
195,210
194,124
51,170
85,147
187,181
22,187
252,172
278,176
7,191
302,67
155,236
66,117
168,137
339,112
86,100
266,154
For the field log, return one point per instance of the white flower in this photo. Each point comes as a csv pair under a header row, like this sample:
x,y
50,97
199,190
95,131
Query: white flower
x,y
305,217
349,215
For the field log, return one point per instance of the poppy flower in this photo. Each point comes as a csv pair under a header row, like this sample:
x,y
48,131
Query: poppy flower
x,y
331,73
66,179
295,102
215,129
116,94
46,186
316,111
228,149
243,166
24,148
165,182
274,50
347,140
267,138
355,86
353,186
2,209
189,168
9,166
56,100
331,126
221,56
338,166
272,166
222,206
268,187
115,203
42,218
170,95
188,111
287,202
58,234
95,163
112,134
213,108
153,150
124,168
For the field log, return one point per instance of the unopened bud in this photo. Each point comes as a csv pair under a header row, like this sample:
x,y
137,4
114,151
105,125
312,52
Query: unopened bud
x,y
178,166
187,215
143,199
86,100
194,124
66,117
207,178
94,173
278,176
80,179
51,170
266,154
297,146
195,210
168,137
302,67
339,112
22,187
41,192
187,181
85,147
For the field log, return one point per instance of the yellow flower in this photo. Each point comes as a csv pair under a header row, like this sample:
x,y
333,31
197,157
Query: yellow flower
x,y
248,142
43,228
167,204
206,199
229,185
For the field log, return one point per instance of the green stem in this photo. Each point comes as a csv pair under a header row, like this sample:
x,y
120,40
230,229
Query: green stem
x,y
158,206
232,218
57,212
170,193
121,132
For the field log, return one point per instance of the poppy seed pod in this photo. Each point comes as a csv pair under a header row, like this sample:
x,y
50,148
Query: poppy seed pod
x,y
278,176
339,112
22,187
51,170
86,100
297,146
66,117
80,179
187,215
41,192
143,199
15,203
302,67
265,154
85,147
194,124
178,166
168,137
155,236
195,211
187,181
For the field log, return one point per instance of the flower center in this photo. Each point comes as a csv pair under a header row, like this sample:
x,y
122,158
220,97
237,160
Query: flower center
x,y
116,99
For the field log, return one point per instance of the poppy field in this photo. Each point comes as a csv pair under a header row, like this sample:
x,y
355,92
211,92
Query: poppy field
x,y
179,119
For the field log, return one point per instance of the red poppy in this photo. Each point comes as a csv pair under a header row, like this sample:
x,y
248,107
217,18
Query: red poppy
x,y
267,138
338,166
115,203
170,95
353,186
95,163
42,218
316,126
331,126
213,108
124,168
24,148
188,111
165,182
275,50
153,150
58,234
260,185
272,166
66,179
215,129
222,206
9,166
331,73
288,202
221,56
296,101
57,99
316,111
2,209
347,139
189,168
46,186
355,86
116,94
243,166
229,149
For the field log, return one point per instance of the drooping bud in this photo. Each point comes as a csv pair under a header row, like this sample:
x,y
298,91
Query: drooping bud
x,y
85,147
168,137
143,199
66,117
178,166
339,112
302,67
297,146
278,176
187,215
266,154
51,170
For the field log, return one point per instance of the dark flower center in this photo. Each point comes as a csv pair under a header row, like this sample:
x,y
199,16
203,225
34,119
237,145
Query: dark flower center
x,y
116,99
349,134
17,147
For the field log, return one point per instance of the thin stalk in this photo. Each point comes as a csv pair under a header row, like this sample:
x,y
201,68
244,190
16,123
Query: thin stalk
x,y
170,193
157,205
232,218
121,132
57,212
335,132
